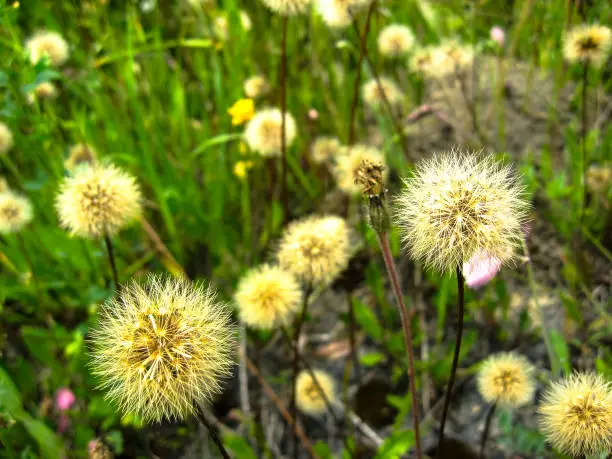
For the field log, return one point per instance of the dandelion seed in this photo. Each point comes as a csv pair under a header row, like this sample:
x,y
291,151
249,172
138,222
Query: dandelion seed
x,y
263,132
98,201
373,96
588,44
15,212
49,45
347,166
507,379
6,138
256,86
162,348
309,398
395,40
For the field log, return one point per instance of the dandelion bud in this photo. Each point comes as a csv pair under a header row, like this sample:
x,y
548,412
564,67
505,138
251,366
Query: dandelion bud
x,y
347,167
370,177
310,395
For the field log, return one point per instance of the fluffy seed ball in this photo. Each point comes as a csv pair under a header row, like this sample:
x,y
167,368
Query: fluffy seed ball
x,y
450,58
576,415
507,379
47,44
347,166
15,212
44,90
80,154
373,96
263,132
325,149
395,40
222,25
337,14
256,86
267,296
98,200
459,204
308,396
6,138
422,61
315,249
287,7
588,44
162,347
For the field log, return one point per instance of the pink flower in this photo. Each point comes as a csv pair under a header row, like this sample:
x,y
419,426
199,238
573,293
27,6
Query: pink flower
x,y
63,423
498,35
480,269
64,399
313,114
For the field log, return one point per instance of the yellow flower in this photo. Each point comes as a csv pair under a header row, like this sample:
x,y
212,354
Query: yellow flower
x,y
243,147
242,111
241,168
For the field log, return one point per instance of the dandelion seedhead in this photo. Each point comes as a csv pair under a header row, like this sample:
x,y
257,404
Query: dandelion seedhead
x,y
588,44
373,96
459,204
222,26
309,398
451,57
599,178
6,138
47,44
263,132
348,165
256,86
422,61
98,201
287,7
80,154
162,347
267,296
15,212
395,40
324,149
576,415
507,379
4,186
315,249
44,90
338,14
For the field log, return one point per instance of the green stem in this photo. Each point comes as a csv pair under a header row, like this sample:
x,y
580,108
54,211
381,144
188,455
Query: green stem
x,y
487,427
213,432
283,104
111,259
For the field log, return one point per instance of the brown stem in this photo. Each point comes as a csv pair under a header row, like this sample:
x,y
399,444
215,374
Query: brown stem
x,y
111,259
583,133
397,291
487,427
213,432
451,381
283,104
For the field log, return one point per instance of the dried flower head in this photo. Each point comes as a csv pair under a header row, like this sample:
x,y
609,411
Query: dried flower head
x,y
576,415
422,61
324,149
287,7
395,40
267,296
80,154
459,204
263,132
308,396
373,96
6,138
507,379
450,57
98,201
256,86
348,165
588,44
44,90
96,449
315,249
599,178
338,14
49,45
162,347
15,212
222,26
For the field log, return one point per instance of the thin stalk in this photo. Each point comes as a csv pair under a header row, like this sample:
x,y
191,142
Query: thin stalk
x,y
487,427
352,340
111,259
213,432
397,291
451,381
283,104
26,256
583,134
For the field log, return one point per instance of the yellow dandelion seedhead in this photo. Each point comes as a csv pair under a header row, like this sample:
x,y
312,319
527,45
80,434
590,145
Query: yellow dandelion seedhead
x,y
395,40
459,204
6,138
80,154
576,415
315,249
588,44
348,165
507,379
325,149
308,396
373,96
15,212
267,296
263,132
49,45
162,347
287,7
256,86
98,201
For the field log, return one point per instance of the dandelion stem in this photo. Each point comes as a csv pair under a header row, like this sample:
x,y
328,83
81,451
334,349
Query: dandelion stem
x,y
213,432
111,258
487,427
394,277
26,256
283,104
583,134
451,381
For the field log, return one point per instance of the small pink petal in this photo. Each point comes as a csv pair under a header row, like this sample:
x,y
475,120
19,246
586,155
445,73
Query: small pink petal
x,y
63,423
92,445
480,269
64,399
498,35
313,114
